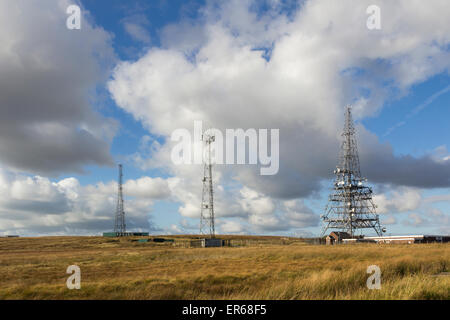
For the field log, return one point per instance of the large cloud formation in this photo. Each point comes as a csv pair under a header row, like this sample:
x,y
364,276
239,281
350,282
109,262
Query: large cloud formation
x,y
247,68
48,82
34,205
237,66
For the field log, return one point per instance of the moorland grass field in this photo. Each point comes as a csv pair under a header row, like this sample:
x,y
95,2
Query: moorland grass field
x,y
35,268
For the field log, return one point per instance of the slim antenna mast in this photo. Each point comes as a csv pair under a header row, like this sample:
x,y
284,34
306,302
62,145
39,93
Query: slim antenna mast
x,y
119,226
207,208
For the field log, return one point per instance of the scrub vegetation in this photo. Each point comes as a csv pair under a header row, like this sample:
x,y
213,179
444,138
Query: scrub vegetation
x,y
257,268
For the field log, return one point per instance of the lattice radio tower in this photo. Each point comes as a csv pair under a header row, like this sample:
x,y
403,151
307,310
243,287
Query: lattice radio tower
x,y
119,226
207,208
350,206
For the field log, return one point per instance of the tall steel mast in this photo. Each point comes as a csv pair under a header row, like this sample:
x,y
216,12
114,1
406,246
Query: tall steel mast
x,y
119,226
350,207
207,208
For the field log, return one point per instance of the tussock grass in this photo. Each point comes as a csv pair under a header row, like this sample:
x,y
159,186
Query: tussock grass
x,y
35,268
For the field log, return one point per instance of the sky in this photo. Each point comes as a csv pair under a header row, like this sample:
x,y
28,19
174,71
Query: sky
x,y
74,103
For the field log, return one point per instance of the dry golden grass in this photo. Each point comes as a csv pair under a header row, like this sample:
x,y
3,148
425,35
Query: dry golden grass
x,y
35,268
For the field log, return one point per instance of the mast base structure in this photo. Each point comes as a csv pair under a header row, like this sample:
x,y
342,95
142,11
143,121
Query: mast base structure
x,y
350,205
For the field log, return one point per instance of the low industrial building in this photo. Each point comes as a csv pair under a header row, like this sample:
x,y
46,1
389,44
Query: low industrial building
x,y
125,234
205,243
344,237
410,239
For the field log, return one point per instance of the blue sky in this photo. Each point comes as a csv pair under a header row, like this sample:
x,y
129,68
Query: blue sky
x,y
153,44
423,132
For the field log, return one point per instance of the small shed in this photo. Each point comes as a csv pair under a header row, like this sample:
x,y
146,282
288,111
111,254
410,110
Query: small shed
x,y
207,243
336,237
214,242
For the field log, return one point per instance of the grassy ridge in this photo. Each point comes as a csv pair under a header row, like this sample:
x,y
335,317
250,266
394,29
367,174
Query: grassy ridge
x,y
35,268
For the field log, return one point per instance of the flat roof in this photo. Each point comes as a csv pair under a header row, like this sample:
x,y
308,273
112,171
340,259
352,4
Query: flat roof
x,y
395,237
405,237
